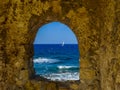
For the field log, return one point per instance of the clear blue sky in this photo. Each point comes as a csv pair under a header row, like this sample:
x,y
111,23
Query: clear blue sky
x,y
55,33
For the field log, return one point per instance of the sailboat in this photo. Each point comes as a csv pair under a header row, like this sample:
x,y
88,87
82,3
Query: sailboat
x,y
63,43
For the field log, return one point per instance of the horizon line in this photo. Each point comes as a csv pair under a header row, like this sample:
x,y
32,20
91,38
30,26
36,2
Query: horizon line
x,y
56,43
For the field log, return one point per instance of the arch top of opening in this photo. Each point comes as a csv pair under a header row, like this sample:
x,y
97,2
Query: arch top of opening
x,y
56,53
55,33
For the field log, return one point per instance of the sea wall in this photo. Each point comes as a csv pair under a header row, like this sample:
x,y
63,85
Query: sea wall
x,y
96,24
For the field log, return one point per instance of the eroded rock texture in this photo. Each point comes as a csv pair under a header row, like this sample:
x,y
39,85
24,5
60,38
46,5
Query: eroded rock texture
x,y
96,24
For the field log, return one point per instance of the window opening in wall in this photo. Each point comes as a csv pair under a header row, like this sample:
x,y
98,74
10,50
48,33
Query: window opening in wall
x,y
56,53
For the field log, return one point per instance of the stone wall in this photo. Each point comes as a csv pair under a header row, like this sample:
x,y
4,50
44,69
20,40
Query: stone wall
x,y
96,24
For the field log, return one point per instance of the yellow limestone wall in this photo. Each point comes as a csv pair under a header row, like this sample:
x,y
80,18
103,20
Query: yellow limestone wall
x,y
96,23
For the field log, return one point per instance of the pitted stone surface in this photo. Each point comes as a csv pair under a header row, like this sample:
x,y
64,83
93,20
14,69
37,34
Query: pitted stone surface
x,y
96,25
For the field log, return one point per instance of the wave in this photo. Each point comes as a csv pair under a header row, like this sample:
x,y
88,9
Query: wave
x,y
67,67
62,76
45,60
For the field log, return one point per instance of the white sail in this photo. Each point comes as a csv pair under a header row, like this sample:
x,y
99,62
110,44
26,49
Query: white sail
x,y
63,43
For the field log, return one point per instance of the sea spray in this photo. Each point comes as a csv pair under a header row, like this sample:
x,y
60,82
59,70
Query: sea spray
x,y
56,62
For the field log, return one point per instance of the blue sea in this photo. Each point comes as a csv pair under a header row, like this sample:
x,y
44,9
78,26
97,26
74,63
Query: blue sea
x,y
57,62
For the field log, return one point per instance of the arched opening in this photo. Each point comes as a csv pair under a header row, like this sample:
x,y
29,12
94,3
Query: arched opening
x,y
56,53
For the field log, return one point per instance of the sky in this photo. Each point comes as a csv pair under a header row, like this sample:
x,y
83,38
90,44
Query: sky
x,y
55,33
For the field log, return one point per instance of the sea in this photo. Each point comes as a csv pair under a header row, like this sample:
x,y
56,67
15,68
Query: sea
x,y
57,62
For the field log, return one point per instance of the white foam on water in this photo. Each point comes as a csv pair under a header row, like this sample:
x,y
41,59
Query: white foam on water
x,y
67,67
45,60
62,76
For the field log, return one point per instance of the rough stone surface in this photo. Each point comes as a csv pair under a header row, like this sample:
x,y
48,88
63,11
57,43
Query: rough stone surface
x,y
96,24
